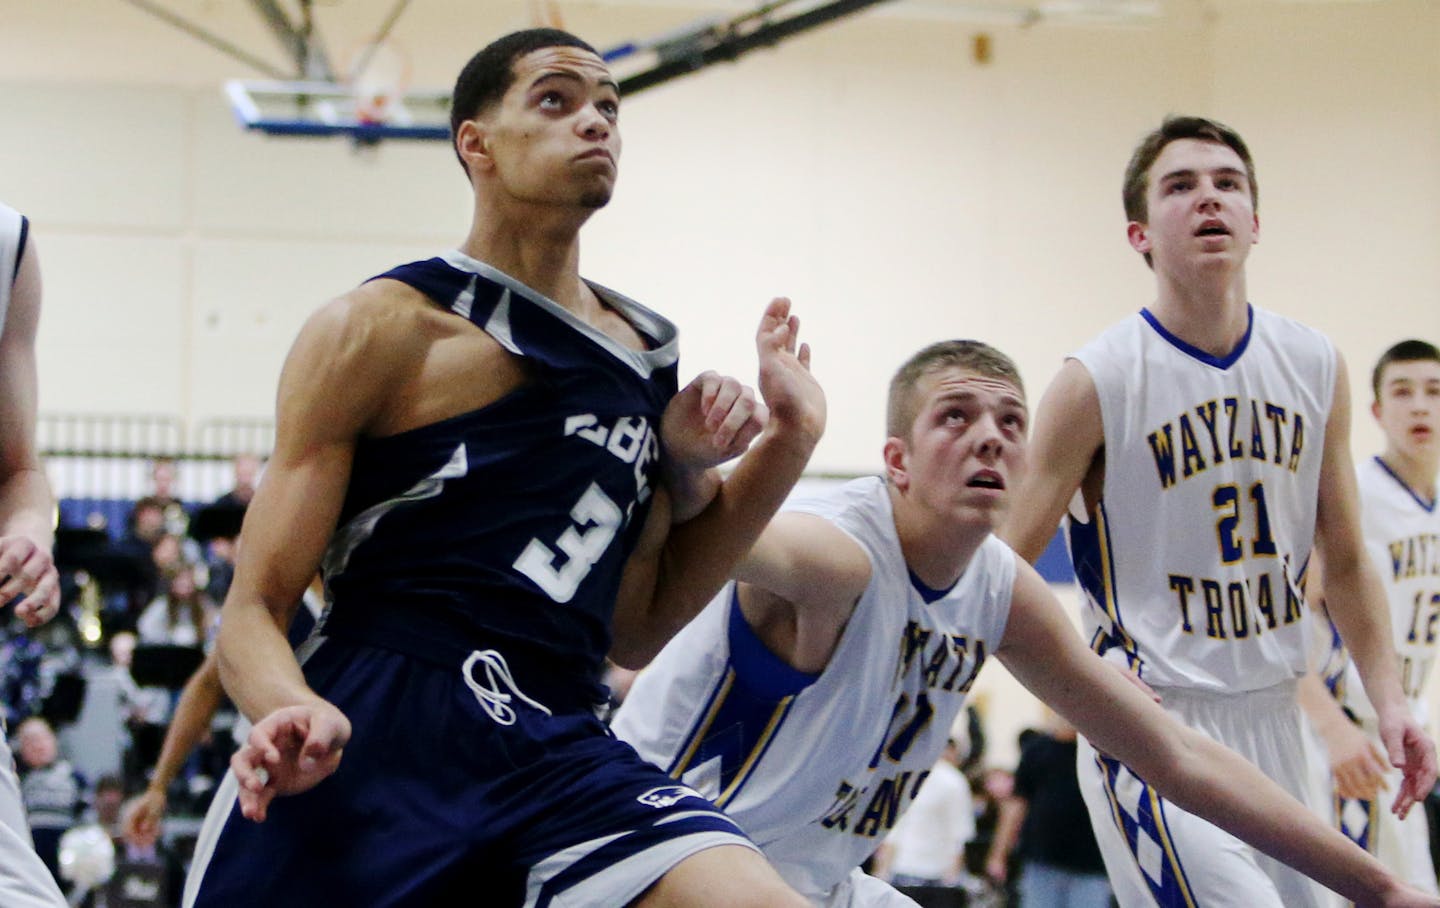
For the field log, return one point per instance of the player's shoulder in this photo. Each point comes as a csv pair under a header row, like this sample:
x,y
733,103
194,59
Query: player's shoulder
x,y
379,318
360,343
1294,337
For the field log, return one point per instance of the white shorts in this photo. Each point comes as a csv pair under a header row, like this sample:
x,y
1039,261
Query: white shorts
x,y
1158,855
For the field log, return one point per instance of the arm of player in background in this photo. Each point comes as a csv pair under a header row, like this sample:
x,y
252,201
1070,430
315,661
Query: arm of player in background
x,y
1356,600
196,707
1067,435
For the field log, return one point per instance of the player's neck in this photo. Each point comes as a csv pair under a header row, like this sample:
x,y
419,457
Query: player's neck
x,y
936,550
541,252
1418,473
1211,313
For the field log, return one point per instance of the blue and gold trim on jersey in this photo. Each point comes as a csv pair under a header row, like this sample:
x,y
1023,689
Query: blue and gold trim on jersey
x,y
1091,551
1358,819
1147,835
743,712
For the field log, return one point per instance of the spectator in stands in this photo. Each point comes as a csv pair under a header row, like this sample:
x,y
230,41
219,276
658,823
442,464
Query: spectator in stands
x,y
1060,864
181,616
108,799
147,870
146,527
217,528
927,846
247,475
164,472
55,795
146,710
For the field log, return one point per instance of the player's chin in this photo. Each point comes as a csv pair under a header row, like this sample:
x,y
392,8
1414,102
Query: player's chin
x,y
596,199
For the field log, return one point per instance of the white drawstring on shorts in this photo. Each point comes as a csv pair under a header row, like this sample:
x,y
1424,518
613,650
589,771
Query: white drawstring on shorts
x,y
493,700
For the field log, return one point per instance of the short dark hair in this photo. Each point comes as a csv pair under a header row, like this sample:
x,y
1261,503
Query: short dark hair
x,y
491,72
977,357
1137,172
1407,351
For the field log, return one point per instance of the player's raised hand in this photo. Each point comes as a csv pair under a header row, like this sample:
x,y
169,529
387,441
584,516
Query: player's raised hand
x,y
1412,752
289,751
794,397
28,569
711,420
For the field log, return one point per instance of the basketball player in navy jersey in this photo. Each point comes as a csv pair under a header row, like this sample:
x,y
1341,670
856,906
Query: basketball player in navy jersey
x,y
471,448
26,534
1210,441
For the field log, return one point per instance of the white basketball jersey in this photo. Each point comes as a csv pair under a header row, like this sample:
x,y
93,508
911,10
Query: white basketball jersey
x,y
817,768
1194,559
1402,536
12,236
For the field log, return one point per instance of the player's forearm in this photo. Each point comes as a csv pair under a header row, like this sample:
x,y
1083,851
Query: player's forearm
x,y
27,507
700,554
193,712
257,667
1210,781
1007,828
1357,605
691,491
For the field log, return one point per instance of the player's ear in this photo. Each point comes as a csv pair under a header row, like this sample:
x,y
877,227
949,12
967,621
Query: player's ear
x,y
472,142
897,463
1139,236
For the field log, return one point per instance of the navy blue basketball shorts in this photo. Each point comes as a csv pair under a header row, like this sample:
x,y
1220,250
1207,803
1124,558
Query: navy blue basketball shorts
x,y
459,786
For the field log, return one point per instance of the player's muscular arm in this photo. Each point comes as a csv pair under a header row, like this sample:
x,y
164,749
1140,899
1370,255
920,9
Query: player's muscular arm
x,y
1042,650
799,585
663,591
332,387
1357,603
1067,438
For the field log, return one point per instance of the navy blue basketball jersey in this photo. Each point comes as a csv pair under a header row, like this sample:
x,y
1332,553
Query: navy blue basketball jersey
x,y
512,523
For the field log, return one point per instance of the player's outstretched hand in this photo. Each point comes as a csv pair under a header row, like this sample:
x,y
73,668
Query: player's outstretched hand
x,y
28,569
711,420
289,751
795,398
1412,752
1358,765
141,820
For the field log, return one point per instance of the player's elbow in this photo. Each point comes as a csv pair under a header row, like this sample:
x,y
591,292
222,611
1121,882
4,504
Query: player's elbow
x,y
631,654
1178,768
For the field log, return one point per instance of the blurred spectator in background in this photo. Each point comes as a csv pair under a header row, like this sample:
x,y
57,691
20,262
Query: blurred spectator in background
x,y
1044,822
55,795
247,475
180,616
927,846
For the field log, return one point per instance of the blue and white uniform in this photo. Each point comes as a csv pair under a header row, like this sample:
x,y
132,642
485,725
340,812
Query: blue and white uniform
x,y
471,581
1402,538
817,768
24,881
1192,564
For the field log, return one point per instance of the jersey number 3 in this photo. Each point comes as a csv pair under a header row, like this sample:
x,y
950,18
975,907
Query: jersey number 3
x,y
596,519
